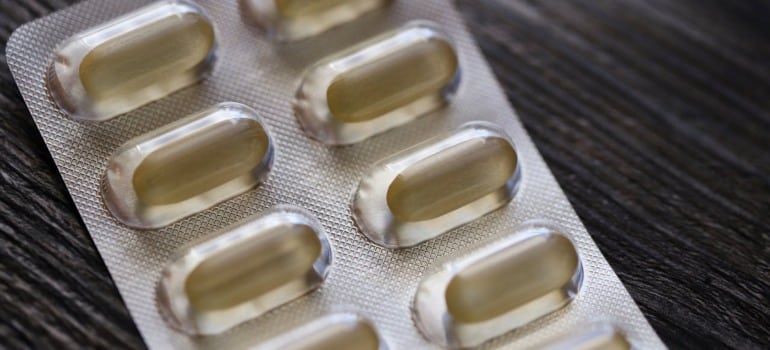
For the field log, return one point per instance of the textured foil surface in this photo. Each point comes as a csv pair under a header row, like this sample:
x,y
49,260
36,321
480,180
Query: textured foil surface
x,y
374,282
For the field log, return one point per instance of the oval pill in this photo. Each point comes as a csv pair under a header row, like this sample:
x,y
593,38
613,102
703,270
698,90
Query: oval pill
x,y
244,271
511,278
388,83
378,85
437,186
343,336
287,20
603,337
499,288
188,166
132,60
451,179
240,273
335,332
297,8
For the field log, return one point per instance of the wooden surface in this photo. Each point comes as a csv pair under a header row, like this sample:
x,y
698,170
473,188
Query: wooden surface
x,y
654,116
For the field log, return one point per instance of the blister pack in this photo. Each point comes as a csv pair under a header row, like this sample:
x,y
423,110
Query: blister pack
x,y
341,174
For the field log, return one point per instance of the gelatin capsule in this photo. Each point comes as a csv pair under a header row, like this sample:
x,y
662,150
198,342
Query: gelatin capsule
x,y
188,166
383,83
436,186
287,20
244,271
132,60
603,337
334,332
499,288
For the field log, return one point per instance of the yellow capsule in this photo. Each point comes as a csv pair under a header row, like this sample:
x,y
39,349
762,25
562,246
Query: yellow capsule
x,y
603,337
342,336
188,166
198,163
436,186
451,179
335,332
287,20
499,288
132,60
380,84
385,84
244,271
511,278
299,8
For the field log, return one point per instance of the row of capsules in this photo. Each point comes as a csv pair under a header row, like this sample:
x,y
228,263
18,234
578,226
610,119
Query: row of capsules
x,y
265,261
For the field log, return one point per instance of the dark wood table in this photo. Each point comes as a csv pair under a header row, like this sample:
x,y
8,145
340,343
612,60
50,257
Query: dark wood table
x,y
654,116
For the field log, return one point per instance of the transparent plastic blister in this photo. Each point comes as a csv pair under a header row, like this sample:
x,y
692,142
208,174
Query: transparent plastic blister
x,y
187,166
436,186
499,288
367,286
245,270
600,336
290,20
132,60
378,85
338,331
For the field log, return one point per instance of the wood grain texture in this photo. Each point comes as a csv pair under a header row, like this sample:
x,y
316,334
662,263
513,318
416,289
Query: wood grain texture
x,y
654,115
55,291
